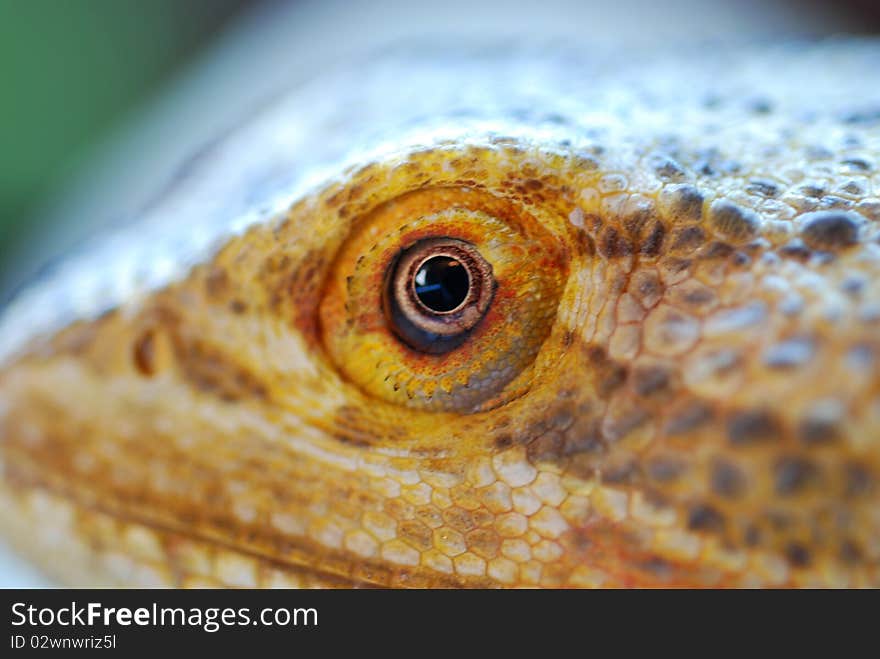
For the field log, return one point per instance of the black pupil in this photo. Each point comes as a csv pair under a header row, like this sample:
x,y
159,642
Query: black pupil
x,y
442,283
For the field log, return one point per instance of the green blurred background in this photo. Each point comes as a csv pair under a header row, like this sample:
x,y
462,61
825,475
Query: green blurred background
x,y
72,71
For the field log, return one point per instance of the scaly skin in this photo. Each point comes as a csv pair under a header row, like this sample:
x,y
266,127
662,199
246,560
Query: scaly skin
x,y
677,382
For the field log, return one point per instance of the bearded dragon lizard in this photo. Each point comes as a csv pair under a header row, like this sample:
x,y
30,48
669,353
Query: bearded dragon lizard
x,y
655,364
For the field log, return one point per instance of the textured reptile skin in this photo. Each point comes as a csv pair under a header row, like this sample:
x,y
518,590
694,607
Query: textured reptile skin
x,y
677,382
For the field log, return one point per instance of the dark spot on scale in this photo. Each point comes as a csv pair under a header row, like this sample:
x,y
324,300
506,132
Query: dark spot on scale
x,y
793,475
796,249
727,480
561,419
613,245
351,439
658,567
763,187
585,163
830,229
752,536
648,285
459,519
637,217
797,554
813,190
675,265
667,169
688,418
703,517
548,447
867,115
619,426
665,469
237,306
858,480
416,534
651,380
698,297
216,282
503,441
213,371
612,379
356,191
706,168
585,241
779,521
688,239
335,199
143,353
752,427
627,473
760,106
577,540
853,188
610,374
653,243
817,431
585,438
685,203
857,164
733,221
833,202
717,250
740,259
850,553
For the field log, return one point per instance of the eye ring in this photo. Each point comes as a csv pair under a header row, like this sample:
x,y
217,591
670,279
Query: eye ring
x,y
482,358
434,328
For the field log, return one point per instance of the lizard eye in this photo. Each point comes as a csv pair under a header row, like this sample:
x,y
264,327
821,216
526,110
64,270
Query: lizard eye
x,y
437,292
440,298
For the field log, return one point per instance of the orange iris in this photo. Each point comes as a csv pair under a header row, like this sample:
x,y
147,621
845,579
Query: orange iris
x,y
487,363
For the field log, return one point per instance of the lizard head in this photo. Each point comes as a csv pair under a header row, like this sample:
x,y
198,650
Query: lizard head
x,y
538,358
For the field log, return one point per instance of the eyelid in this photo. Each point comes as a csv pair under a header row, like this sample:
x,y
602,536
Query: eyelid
x,y
491,365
